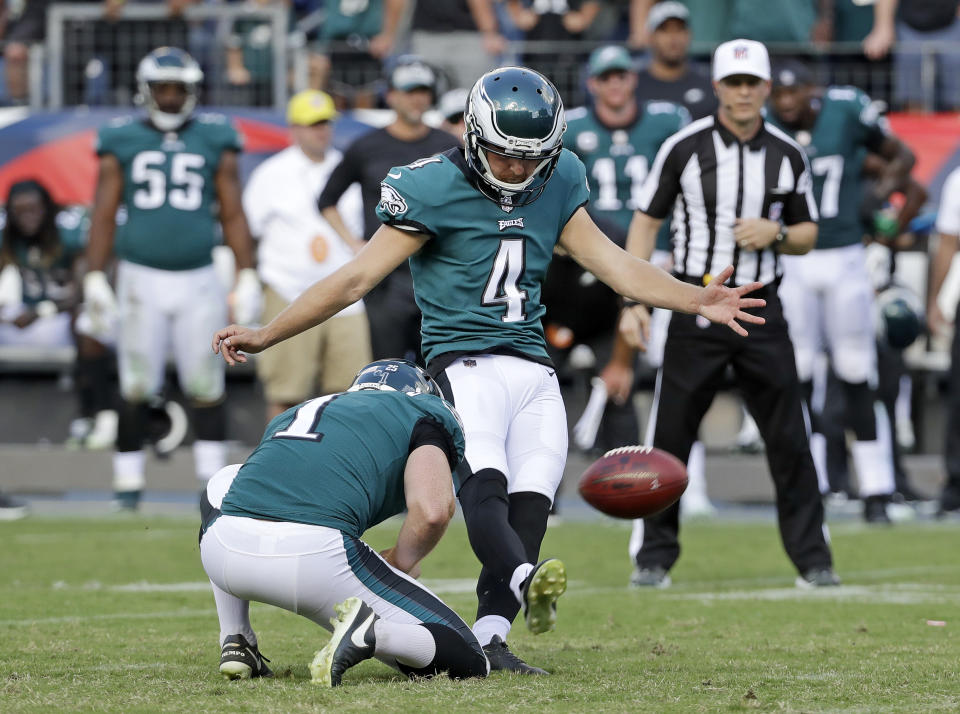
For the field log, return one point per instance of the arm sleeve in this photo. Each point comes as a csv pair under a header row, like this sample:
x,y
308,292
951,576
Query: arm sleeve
x,y
427,431
948,215
660,188
345,174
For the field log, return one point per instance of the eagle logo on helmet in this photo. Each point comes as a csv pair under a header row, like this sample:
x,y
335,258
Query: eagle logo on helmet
x,y
168,64
517,113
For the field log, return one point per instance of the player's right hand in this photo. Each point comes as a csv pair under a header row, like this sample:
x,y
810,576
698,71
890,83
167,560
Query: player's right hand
x,y
232,339
634,326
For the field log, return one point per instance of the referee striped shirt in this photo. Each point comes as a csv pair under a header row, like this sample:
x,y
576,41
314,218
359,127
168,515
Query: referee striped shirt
x,y
709,178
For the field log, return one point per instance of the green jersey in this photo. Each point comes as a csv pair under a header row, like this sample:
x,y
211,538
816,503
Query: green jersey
x,y
345,18
478,280
339,460
169,196
847,126
617,160
51,277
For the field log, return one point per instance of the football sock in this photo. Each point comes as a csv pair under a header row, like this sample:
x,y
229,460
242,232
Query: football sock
x,y
861,414
128,471
234,616
489,625
454,655
517,580
210,421
873,460
209,457
410,645
132,427
486,510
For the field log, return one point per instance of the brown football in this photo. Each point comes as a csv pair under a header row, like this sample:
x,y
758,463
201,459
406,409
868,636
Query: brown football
x,y
633,482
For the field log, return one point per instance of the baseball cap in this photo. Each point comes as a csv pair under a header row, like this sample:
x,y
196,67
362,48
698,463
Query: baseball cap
x,y
309,107
604,59
663,11
453,103
412,74
791,74
741,57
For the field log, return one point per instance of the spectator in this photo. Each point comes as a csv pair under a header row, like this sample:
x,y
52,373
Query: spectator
x,y
169,172
452,106
40,250
250,59
774,21
392,312
935,23
22,32
460,37
941,314
708,21
353,42
298,247
556,21
670,75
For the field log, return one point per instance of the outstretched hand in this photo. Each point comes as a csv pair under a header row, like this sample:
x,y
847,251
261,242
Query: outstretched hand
x,y
230,340
725,306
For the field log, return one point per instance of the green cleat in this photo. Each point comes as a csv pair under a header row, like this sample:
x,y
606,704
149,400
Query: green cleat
x,y
543,586
353,641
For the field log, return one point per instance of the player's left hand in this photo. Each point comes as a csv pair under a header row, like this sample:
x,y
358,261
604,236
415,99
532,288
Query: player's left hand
x,y
725,306
755,233
232,339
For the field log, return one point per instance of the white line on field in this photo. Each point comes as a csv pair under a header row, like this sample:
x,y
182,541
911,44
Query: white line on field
x,y
111,616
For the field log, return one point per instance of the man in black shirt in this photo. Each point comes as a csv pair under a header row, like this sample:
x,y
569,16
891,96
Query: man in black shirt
x,y
670,76
393,314
741,193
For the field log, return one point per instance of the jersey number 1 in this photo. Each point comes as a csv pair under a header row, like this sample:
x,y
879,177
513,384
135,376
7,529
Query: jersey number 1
x,y
305,422
503,284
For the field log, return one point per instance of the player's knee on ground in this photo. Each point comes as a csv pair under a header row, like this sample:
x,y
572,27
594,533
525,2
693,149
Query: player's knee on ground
x,y
455,656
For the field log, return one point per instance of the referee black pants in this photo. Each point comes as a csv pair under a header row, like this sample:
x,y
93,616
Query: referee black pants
x,y
695,358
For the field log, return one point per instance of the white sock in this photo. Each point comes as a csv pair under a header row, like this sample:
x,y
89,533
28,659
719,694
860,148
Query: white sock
x,y
874,459
209,457
128,470
410,645
489,625
234,616
516,580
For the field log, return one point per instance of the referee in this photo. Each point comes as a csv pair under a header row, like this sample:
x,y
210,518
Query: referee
x,y
741,194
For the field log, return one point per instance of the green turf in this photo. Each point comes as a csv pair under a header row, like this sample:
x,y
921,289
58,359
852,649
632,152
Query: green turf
x,y
733,634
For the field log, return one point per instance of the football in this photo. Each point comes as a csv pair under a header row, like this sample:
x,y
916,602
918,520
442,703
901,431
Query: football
x,y
633,482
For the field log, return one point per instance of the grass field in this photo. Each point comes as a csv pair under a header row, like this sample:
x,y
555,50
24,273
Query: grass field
x,y
115,615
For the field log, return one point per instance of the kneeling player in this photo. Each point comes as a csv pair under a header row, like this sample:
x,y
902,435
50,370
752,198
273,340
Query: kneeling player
x,y
284,528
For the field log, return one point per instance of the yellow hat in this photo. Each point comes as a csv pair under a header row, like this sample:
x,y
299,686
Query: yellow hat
x,y
309,107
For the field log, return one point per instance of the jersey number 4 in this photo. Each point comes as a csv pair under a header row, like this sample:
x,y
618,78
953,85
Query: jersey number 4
x,y
503,285
185,190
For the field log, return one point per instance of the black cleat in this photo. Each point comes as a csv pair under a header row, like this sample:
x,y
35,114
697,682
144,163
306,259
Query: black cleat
x,y
818,578
875,511
353,641
501,658
241,660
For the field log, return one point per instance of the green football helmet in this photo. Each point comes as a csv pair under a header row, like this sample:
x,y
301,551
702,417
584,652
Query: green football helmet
x,y
168,64
514,112
395,375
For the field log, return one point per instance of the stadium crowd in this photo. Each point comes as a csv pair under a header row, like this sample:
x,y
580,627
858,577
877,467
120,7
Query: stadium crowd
x,y
637,68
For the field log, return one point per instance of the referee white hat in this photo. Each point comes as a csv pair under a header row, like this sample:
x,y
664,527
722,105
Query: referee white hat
x,y
741,57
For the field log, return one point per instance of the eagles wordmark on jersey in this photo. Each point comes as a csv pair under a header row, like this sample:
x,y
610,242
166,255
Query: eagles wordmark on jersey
x,y
169,196
478,280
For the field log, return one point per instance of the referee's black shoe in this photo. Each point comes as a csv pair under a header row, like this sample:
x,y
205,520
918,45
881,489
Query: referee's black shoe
x,y
501,658
875,511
